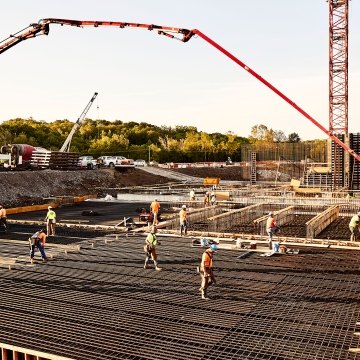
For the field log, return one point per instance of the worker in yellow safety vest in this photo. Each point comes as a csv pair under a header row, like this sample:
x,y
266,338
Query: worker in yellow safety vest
x,y
150,244
50,221
354,227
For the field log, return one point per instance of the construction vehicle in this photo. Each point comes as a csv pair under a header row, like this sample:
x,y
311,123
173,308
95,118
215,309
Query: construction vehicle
x,y
22,157
66,146
87,162
43,27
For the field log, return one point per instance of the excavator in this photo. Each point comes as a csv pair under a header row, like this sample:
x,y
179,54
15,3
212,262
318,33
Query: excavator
x,y
43,28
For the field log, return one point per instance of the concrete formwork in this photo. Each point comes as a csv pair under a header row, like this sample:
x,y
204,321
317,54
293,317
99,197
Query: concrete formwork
x,y
319,222
248,214
283,217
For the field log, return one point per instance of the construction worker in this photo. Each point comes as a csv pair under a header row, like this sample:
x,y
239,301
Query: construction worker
x,y
183,221
50,221
38,239
354,226
155,209
207,199
3,222
192,194
206,270
271,228
213,199
150,248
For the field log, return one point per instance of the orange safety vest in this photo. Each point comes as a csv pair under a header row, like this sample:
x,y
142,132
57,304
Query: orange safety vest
x,y
207,261
2,213
270,223
182,215
155,207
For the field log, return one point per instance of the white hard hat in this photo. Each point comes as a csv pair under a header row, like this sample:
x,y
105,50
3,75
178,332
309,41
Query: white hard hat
x,y
184,206
271,213
49,207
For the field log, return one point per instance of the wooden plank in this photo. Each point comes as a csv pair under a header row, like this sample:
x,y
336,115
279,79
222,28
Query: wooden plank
x,y
24,350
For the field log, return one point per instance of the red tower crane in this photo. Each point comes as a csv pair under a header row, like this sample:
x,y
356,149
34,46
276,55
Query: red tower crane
x,y
338,66
42,28
338,89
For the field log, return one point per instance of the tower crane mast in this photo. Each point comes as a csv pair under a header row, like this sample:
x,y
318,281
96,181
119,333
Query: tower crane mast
x,y
66,146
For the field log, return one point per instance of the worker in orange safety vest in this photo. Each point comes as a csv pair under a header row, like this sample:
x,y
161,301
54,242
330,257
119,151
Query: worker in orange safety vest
x,y
3,222
154,209
206,270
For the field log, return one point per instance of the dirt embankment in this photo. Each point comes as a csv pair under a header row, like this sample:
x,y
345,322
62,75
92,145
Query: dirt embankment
x,y
21,188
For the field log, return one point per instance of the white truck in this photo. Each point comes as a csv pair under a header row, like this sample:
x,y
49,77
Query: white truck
x,y
115,161
87,162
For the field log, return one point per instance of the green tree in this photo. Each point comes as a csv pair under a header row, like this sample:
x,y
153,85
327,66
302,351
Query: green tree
x,y
293,138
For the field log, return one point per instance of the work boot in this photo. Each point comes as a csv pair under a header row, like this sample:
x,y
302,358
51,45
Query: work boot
x,y
158,268
203,295
146,266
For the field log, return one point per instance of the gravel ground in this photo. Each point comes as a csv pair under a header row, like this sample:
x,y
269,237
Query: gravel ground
x,y
21,188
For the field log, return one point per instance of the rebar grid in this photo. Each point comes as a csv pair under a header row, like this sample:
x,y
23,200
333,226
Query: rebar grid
x,y
99,303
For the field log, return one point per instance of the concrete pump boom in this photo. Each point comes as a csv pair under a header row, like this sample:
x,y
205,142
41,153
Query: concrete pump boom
x,y
42,28
66,145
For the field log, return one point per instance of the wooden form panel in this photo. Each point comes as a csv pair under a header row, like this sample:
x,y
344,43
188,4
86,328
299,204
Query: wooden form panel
x,y
234,217
282,217
319,222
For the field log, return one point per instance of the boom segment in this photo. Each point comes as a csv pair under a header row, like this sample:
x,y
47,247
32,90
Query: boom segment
x,y
42,27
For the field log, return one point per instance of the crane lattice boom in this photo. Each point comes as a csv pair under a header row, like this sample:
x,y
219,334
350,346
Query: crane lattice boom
x,y
67,143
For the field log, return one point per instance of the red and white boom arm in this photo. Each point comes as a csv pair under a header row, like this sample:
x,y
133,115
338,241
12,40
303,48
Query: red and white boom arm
x,y
42,28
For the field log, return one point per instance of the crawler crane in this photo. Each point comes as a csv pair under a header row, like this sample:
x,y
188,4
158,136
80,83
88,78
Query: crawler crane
x,y
66,146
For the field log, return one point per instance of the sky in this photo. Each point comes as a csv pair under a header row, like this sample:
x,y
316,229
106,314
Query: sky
x,y
143,77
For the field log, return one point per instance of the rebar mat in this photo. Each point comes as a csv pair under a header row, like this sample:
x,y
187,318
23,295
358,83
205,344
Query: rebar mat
x,y
100,303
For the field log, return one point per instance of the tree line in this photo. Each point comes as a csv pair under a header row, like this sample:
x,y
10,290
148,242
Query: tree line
x,y
160,143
